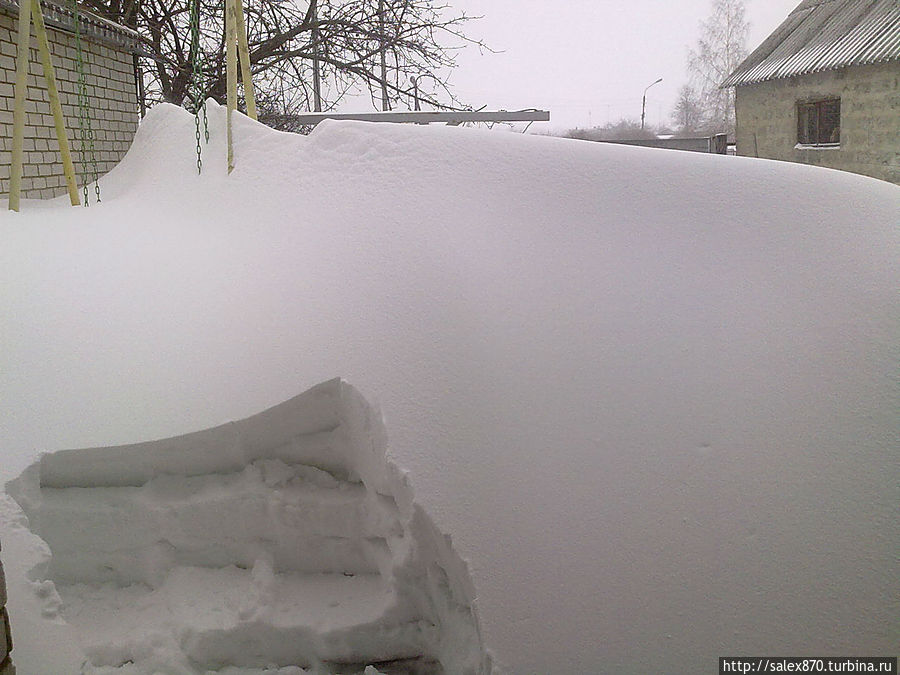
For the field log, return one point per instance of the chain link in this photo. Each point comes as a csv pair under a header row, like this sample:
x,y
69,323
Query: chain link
x,y
198,100
85,130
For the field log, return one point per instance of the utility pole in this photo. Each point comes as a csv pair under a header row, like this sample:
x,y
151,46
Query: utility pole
x,y
644,103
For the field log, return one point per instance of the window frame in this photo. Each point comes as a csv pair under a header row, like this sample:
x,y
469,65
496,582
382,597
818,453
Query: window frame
x,y
821,107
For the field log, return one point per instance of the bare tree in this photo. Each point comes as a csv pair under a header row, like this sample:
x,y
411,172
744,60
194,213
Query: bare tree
x,y
721,48
624,129
689,114
345,41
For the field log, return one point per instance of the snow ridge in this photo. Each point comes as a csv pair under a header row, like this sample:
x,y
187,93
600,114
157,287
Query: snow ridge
x,y
282,540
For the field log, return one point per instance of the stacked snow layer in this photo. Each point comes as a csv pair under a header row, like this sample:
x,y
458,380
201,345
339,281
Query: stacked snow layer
x,y
281,540
651,395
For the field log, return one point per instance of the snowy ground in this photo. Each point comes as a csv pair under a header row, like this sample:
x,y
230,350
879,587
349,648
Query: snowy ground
x,y
650,395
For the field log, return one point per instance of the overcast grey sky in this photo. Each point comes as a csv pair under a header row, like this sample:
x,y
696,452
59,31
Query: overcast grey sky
x,y
588,61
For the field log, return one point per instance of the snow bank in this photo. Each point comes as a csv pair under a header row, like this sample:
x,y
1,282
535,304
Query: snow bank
x,y
650,394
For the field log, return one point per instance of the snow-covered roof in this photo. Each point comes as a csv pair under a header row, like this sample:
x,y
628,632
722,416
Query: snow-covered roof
x,y
824,35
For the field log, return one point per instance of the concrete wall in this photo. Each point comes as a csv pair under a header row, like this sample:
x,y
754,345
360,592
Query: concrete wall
x,y
699,144
111,88
870,119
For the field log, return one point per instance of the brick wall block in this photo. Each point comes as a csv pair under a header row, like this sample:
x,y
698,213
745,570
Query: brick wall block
x,y
110,84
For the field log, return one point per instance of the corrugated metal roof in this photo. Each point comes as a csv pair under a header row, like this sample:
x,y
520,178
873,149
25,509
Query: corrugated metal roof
x,y
825,35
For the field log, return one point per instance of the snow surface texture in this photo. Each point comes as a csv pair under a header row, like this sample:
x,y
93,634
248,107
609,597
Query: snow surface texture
x,y
652,395
280,540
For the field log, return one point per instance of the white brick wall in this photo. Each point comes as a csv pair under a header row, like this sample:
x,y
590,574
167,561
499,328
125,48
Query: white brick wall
x,y
114,118
870,119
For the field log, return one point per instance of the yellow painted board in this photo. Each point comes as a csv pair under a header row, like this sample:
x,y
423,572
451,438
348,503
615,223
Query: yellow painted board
x,y
244,53
230,76
58,120
15,178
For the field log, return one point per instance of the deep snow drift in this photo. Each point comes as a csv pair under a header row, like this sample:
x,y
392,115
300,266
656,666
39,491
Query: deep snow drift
x,y
651,395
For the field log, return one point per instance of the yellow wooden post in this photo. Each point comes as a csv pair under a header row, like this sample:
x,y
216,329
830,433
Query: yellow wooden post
x,y
230,76
59,121
15,176
244,52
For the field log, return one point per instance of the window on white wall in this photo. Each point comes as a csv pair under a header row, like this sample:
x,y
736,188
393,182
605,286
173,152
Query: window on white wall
x,y
819,122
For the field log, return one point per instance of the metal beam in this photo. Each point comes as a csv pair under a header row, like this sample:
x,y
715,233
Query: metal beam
x,y
426,116
244,57
59,121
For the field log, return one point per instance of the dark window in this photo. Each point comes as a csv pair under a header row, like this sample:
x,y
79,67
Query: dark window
x,y
819,122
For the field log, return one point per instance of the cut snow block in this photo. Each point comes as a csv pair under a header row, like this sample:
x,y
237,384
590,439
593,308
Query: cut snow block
x,y
299,431
285,538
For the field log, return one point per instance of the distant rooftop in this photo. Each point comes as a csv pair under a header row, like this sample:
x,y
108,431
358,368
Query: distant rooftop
x,y
824,35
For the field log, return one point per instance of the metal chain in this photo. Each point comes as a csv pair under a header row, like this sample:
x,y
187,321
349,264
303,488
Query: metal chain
x,y
79,68
197,81
201,79
205,123
85,130
94,174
